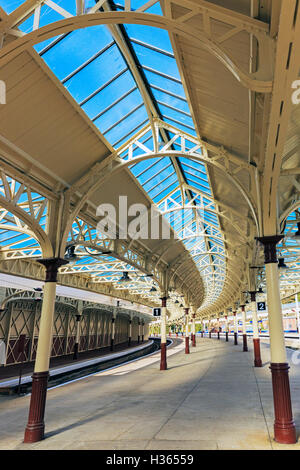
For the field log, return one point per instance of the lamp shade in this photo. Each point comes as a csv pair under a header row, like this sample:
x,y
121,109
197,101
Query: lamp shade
x,y
124,278
281,263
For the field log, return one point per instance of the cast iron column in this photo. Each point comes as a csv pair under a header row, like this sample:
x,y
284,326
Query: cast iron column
x,y
284,427
235,329
163,341
187,343
226,333
256,340
245,345
193,330
35,426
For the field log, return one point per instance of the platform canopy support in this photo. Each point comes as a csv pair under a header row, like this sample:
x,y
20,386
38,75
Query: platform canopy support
x,y
163,334
193,328
245,345
35,427
235,329
187,340
284,427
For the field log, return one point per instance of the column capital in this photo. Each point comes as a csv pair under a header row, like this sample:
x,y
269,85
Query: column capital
x,y
186,310
52,265
269,244
242,307
252,295
163,301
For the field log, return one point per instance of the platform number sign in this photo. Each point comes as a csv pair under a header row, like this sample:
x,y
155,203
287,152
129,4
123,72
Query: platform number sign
x,y
261,306
156,312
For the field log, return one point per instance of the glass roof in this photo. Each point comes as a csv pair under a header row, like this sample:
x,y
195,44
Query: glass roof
x,y
90,64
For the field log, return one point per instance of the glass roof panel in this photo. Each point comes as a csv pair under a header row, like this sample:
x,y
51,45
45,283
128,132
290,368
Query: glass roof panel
x,y
116,112
185,128
145,34
95,74
66,56
10,5
157,61
168,99
135,4
100,100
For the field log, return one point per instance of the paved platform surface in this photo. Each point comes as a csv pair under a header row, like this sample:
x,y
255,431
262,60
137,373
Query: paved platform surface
x,y
211,399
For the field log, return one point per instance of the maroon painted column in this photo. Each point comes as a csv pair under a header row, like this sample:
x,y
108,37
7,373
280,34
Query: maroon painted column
x,y
245,345
193,334
256,340
226,332
218,334
284,427
187,342
35,428
235,328
163,342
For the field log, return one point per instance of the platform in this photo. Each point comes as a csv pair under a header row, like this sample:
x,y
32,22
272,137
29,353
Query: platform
x,y
212,398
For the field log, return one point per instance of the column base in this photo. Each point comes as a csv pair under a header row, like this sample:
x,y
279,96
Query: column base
x,y
201,334
187,345
163,356
142,338
235,339
245,346
284,426
75,354
257,358
111,344
218,336
35,428
194,341
226,336
138,339
129,341
209,334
